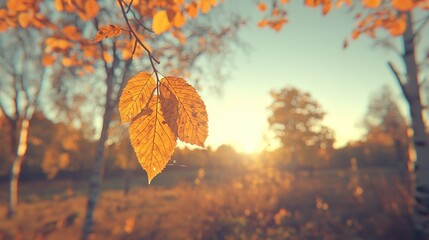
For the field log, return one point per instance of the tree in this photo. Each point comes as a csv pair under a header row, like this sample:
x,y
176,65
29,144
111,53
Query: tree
x,y
68,46
385,121
398,18
21,85
296,121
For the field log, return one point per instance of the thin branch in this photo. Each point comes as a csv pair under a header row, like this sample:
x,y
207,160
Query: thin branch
x,y
135,17
425,21
400,81
129,6
137,37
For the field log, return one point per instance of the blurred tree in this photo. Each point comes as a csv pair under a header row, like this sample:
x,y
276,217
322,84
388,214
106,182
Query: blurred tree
x,y
407,20
386,126
296,120
22,81
181,46
225,157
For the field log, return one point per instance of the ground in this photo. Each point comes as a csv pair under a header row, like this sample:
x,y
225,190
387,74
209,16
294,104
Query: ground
x,y
253,204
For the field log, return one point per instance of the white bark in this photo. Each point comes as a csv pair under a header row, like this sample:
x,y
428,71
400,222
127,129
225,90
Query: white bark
x,y
16,168
411,91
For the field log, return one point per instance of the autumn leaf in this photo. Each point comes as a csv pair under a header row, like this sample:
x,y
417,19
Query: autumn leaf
x,y
91,9
192,10
184,110
398,27
152,140
262,7
135,96
48,60
262,23
24,19
371,3
206,5
403,5
160,22
72,33
107,32
179,19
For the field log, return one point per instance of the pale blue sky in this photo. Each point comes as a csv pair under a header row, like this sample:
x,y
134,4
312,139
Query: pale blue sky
x,y
308,54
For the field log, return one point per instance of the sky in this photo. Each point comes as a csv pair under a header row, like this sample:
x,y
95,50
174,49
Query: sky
x,y
308,54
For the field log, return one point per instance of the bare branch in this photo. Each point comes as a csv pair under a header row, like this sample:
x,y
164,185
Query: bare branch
x,y
401,82
424,21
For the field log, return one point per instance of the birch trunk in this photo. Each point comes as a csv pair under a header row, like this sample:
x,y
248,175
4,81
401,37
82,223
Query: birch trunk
x,y
411,90
21,149
96,176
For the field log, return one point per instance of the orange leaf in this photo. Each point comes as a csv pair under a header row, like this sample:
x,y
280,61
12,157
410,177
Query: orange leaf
x,y
312,3
48,60
24,19
398,27
160,22
107,32
355,34
184,110
262,6
179,19
326,8
371,3
152,139
91,9
72,33
135,96
403,5
284,1
179,36
205,6
59,5
192,10
107,57
262,23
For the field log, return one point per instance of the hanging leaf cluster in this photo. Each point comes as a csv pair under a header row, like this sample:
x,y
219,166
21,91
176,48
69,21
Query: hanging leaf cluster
x,y
376,14
159,113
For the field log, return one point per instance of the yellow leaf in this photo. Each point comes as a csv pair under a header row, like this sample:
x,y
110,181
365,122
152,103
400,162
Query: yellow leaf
x,y
403,5
160,22
107,32
152,140
205,6
135,96
184,110
371,3
24,19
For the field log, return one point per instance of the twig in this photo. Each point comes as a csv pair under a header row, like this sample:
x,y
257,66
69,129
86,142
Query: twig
x,y
400,81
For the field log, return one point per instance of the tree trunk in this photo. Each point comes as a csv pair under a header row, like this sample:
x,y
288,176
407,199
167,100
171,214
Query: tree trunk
x,y
411,89
16,168
97,175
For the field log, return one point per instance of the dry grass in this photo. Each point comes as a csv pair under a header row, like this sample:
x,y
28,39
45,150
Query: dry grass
x,y
259,204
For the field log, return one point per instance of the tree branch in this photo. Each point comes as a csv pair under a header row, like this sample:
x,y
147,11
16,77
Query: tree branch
x,y
420,28
401,82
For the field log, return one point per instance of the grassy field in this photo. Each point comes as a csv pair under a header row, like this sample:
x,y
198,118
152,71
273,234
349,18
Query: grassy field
x,y
254,204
